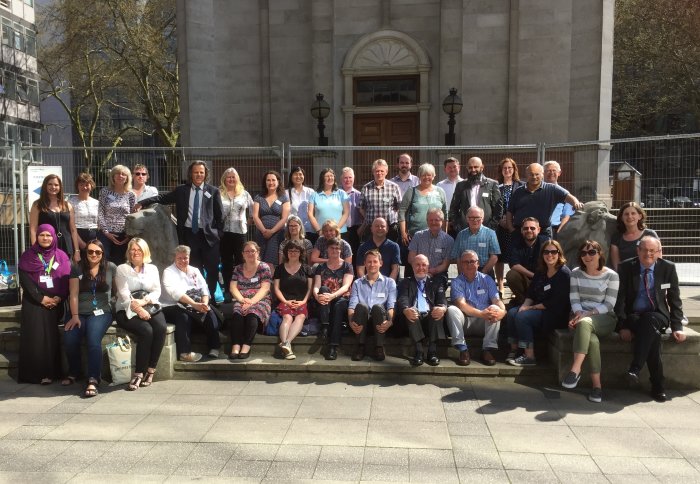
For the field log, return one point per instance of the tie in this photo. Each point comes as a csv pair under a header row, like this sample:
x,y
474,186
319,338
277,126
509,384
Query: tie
x,y
421,303
195,211
646,288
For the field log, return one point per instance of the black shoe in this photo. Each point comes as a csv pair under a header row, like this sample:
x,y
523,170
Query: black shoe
x,y
324,333
418,359
379,353
433,360
332,353
359,353
632,376
659,396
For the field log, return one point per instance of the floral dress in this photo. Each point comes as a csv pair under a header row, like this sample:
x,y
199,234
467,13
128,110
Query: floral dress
x,y
249,287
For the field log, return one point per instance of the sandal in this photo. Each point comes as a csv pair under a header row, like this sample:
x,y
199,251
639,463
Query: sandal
x,y
149,378
46,381
91,388
69,380
135,382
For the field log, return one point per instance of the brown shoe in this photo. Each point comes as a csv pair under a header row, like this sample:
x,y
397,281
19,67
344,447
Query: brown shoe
x,y
379,355
359,353
487,358
464,358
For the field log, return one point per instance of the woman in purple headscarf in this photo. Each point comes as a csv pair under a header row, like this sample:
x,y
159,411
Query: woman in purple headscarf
x,y
43,273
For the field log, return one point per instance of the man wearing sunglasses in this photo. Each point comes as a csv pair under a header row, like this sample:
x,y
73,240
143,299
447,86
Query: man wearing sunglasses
x,y
476,310
648,304
523,259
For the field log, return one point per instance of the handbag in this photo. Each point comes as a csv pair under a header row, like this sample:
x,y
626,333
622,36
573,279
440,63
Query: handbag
x,y
119,354
9,288
151,308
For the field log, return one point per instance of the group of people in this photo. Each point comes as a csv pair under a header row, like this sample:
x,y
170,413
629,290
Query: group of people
x,y
335,253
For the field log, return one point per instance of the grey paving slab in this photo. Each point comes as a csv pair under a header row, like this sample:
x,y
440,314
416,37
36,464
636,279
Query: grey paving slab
x,y
335,407
623,442
535,438
676,416
31,402
35,455
685,441
380,472
340,389
291,388
84,477
508,393
12,447
327,432
184,404
255,452
588,478
127,403
475,443
163,458
427,474
253,430
338,471
525,461
542,413
30,432
430,458
485,476
77,457
94,427
12,421
390,456
298,453
467,428
407,390
632,479
286,471
680,468
33,477
613,465
211,387
206,459
49,419
407,409
264,406
246,468
397,433
517,476
123,456
342,454
171,428
572,463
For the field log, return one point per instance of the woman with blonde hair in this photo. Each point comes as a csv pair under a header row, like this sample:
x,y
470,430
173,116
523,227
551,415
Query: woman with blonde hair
x,y
329,231
116,202
295,231
237,206
139,276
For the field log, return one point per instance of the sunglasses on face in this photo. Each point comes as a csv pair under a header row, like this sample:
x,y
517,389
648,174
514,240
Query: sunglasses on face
x,y
550,251
590,252
530,228
94,252
140,174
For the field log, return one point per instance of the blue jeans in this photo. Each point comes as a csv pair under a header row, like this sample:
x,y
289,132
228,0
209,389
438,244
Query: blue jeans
x,y
93,328
522,326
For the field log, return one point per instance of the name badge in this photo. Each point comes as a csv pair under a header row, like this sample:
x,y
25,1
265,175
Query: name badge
x,y
207,194
485,195
666,286
381,294
98,312
480,291
44,279
278,202
482,244
49,283
438,250
253,279
547,287
55,265
110,198
387,199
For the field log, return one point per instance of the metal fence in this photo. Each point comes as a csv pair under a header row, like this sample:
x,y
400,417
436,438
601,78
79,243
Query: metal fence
x,y
661,172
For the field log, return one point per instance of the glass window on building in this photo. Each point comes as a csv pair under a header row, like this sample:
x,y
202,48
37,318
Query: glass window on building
x,y
375,91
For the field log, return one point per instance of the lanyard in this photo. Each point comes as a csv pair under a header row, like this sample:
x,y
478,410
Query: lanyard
x,y
47,265
94,293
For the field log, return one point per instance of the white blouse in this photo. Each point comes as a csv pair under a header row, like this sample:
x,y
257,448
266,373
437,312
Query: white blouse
x,y
176,283
236,212
127,280
85,212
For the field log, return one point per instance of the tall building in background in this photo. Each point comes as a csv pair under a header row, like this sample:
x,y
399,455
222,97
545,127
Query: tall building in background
x,y
19,84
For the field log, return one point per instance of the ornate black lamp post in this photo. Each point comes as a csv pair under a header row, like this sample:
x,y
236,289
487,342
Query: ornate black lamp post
x,y
451,105
320,110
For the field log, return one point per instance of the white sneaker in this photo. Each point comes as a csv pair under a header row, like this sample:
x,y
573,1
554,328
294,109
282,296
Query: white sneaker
x,y
286,348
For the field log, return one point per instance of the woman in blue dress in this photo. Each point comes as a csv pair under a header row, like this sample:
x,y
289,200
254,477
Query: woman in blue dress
x,y
270,212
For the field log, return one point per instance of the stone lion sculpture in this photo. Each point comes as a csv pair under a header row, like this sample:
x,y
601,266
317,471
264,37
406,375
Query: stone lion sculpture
x,y
156,226
594,222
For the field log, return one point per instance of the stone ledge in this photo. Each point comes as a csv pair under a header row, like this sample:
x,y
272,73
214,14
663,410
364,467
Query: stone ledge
x,y
681,361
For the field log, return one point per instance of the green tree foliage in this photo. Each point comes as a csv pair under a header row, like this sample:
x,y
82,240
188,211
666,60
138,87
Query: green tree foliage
x,y
656,79
107,61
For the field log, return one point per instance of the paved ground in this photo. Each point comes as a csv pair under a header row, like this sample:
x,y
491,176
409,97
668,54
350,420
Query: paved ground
x,y
232,431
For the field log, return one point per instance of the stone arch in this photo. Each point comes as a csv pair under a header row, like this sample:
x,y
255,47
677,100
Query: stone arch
x,y
386,52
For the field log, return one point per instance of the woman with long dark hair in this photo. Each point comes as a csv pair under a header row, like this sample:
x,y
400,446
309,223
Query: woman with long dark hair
x,y
85,209
631,227
508,181
91,314
299,198
270,212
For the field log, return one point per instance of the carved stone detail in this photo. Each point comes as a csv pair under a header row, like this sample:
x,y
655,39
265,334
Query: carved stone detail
x,y
386,53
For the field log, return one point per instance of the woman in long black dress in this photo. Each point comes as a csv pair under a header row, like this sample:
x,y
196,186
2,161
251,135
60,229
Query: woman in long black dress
x,y
52,209
43,273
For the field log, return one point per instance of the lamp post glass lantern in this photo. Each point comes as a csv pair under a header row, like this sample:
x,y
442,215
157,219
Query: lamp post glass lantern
x,y
451,105
320,110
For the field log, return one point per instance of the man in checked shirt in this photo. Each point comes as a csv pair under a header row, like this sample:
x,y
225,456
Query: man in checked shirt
x,y
380,198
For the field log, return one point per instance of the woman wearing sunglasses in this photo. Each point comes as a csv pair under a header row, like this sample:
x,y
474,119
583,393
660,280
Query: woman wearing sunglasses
x,y
90,288
546,306
593,294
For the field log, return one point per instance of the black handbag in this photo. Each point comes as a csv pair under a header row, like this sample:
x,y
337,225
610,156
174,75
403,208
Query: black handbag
x,y
151,309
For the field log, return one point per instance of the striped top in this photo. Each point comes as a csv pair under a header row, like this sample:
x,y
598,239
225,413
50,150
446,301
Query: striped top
x,y
594,292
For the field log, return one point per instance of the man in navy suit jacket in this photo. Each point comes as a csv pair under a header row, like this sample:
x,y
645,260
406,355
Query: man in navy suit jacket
x,y
200,230
648,303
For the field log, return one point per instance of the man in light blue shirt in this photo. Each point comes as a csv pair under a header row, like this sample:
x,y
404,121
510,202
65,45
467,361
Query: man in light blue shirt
x,y
478,238
476,310
562,211
372,300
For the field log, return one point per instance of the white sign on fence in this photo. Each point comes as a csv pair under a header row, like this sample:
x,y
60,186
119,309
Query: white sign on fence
x,y
35,177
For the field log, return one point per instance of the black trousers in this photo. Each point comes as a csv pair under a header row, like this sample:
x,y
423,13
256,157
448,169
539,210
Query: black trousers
x,y
368,319
244,328
183,322
647,329
335,313
425,325
150,337
231,251
353,239
204,257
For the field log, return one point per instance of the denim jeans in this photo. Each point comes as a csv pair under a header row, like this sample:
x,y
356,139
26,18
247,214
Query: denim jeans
x,y
522,326
93,328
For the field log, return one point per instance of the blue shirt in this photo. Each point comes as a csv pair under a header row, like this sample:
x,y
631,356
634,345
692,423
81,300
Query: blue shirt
x,y
560,211
355,218
538,204
412,181
382,292
642,304
329,207
391,254
436,249
479,293
484,243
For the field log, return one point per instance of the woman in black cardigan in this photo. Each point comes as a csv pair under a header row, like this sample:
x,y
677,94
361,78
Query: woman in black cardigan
x,y
546,307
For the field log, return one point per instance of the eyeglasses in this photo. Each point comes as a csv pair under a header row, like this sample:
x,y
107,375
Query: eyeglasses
x,y
649,251
249,251
470,262
293,250
550,251
140,174
94,252
529,228
474,218
590,252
